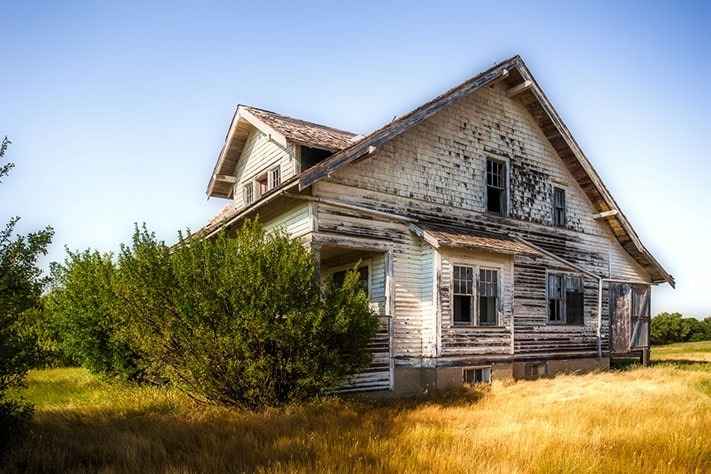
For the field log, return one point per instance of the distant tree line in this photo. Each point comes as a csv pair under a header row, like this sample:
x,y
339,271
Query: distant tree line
x,y
668,328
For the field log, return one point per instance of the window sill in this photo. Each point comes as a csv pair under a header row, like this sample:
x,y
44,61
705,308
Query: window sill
x,y
476,326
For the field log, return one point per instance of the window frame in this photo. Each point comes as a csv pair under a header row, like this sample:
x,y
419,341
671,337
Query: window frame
x,y
476,317
262,179
248,190
506,188
270,177
564,305
485,369
555,207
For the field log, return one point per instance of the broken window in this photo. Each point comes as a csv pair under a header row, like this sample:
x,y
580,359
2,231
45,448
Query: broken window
x,y
248,193
488,297
463,279
565,299
340,277
496,187
559,207
274,177
311,156
640,316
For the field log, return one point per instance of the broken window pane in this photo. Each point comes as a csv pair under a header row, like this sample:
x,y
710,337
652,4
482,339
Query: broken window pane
x,y
496,187
559,207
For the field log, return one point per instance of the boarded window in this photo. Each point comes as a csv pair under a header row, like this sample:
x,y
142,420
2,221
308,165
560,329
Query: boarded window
x,y
496,187
463,280
559,207
248,194
340,277
488,297
274,177
565,299
477,375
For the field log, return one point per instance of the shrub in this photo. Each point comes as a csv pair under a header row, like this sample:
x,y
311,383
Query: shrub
x,y
243,319
81,312
37,325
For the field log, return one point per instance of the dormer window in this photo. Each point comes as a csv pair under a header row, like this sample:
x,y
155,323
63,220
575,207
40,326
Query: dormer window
x,y
248,194
262,182
496,187
274,177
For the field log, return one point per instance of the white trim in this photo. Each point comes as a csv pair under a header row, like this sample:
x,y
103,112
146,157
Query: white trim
x,y
476,268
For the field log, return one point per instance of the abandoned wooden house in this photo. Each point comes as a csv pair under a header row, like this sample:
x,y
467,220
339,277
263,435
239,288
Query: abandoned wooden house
x,y
490,246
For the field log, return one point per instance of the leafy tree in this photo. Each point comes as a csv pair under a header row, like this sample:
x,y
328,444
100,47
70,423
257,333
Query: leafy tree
x,y
81,312
36,324
21,284
243,319
668,328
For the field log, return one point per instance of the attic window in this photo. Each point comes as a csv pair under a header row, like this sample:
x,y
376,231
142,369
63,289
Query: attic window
x,y
496,187
274,177
262,184
248,193
559,207
311,156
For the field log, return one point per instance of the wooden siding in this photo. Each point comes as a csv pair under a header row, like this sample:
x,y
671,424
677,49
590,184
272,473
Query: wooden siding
x,y
296,222
436,172
261,154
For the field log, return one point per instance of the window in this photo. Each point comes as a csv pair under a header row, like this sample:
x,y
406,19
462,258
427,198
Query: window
x,y
248,193
262,184
340,277
476,375
565,299
534,370
640,316
463,293
274,177
488,297
496,187
558,207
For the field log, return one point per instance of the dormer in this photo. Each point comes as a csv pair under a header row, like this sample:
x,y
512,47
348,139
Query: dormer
x,y
264,150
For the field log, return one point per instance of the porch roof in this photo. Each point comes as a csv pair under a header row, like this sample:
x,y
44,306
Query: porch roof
x,y
469,238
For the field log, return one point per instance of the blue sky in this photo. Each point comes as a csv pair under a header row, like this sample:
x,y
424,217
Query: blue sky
x,y
117,110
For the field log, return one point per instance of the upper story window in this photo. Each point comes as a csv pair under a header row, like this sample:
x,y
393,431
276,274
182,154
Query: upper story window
x,y
559,207
565,299
248,193
274,177
465,297
496,187
262,182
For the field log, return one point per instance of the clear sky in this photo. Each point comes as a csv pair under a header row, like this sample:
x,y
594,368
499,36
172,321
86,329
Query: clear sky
x,y
117,110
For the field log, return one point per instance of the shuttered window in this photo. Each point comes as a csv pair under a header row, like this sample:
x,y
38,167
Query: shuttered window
x,y
559,207
565,299
496,187
488,297
463,292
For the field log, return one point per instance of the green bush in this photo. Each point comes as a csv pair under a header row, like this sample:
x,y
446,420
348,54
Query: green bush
x,y
21,284
37,325
668,328
81,312
243,319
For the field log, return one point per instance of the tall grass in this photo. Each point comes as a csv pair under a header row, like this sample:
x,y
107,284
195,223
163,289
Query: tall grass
x,y
655,419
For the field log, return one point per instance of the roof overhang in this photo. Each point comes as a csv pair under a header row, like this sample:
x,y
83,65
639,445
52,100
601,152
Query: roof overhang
x,y
523,87
467,238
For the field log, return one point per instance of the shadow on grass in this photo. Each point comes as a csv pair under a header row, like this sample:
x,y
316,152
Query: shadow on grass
x,y
684,364
326,434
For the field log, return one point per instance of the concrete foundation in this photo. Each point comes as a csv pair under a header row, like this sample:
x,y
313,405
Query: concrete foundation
x,y
423,380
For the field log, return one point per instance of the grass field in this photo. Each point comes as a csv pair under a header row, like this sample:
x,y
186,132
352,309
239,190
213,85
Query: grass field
x,y
653,419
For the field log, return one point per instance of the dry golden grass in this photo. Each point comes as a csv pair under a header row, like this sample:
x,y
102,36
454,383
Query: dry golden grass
x,y
655,419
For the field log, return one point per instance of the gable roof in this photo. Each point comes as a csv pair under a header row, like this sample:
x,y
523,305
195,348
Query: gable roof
x,y
305,133
524,88
280,129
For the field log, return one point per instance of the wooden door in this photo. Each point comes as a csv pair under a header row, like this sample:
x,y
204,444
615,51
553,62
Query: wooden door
x,y
620,318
